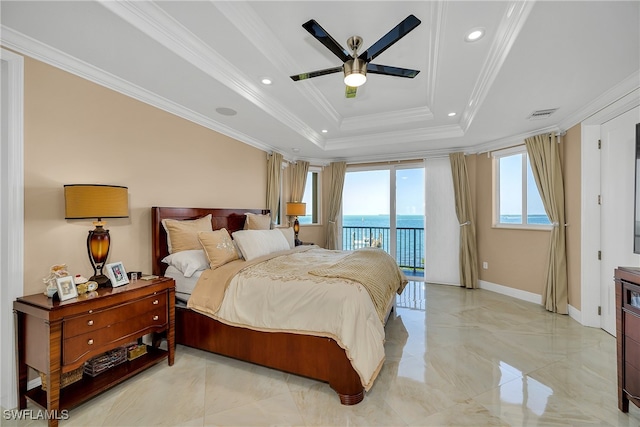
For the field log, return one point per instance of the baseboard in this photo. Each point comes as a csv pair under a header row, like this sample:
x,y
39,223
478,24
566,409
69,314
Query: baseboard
x,y
511,292
36,382
574,313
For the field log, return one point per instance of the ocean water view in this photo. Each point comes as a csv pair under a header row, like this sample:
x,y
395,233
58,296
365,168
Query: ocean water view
x,y
402,221
374,230
417,221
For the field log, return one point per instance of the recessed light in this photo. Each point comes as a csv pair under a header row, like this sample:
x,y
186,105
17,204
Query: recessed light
x,y
451,114
226,111
324,131
295,150
266,81
474,34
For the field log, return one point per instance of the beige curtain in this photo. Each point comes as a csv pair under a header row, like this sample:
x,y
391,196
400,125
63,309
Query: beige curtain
x,y
299,173
274,172
464,211
544,157
338,171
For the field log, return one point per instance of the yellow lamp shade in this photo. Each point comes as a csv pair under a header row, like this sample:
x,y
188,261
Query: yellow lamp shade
x,y
296,209
95,201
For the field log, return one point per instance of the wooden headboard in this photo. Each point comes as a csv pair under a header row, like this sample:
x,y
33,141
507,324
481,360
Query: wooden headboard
x,y
231,219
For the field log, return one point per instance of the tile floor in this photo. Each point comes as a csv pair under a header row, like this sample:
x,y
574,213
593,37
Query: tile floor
x,y
464,358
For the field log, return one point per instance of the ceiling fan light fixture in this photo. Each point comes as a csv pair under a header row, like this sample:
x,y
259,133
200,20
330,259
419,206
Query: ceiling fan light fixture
x,y
355,72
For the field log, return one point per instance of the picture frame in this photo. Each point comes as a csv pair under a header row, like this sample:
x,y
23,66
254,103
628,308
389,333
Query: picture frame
x,y
117,274
66,288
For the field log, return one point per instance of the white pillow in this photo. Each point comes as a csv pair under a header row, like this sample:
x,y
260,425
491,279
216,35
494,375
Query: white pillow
x,y
188,262
256,243
290,235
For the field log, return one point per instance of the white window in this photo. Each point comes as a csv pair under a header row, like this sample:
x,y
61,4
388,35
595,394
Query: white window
x,y
517,200
312,196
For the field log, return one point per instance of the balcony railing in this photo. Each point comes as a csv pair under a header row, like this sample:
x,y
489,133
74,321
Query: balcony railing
x,y
409,244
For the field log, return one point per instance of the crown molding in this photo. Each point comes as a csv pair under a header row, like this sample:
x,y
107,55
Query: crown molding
x,y
415,155
396,137
157,24
514,19
629,89
32,48
510,141
437,15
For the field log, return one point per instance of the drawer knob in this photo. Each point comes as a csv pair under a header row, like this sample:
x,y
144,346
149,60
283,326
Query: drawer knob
x,y
90,342
90,323
156,317
90,311
155,302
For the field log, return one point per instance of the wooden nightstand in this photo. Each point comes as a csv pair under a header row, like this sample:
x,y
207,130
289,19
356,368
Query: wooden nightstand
x,y
56,337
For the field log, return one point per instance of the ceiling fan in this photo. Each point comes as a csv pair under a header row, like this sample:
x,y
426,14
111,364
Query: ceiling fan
x,y
355,67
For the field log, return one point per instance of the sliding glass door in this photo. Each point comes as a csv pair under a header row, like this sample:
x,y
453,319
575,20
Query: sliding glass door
x,y
384,207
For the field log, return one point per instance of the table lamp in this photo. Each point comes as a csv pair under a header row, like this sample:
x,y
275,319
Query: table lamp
x,y
84,201
296,209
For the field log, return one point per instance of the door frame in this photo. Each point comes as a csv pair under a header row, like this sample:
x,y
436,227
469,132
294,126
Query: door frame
x,y
590,269
11,218
392,168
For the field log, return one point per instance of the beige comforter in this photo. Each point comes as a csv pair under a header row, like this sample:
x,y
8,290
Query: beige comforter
x,y
277,293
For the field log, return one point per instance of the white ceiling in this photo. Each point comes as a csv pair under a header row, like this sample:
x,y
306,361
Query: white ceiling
x,y
192,57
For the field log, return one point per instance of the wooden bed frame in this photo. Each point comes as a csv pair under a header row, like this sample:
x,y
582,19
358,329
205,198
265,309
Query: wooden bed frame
x,y
319,358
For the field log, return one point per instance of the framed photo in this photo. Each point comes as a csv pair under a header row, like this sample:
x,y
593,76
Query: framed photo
x,y
66,288
117,274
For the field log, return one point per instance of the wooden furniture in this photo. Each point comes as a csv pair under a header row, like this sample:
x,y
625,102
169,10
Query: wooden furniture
x,y
310,356
56,338
627,280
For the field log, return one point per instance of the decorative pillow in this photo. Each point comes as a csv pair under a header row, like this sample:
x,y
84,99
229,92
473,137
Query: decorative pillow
x,y
188,262
183,235
256,243
290,235
218,246
257,222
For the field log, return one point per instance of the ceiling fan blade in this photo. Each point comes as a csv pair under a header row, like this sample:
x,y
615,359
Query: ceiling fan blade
x,y
323,37
350,92
311,74
398,32
391,71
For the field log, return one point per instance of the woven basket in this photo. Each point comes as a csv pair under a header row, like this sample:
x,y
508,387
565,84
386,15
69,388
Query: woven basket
x,y
65,379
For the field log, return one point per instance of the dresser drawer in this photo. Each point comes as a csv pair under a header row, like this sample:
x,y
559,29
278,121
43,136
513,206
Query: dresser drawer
x,y
632,352
82,347
631,326
631,380
102,318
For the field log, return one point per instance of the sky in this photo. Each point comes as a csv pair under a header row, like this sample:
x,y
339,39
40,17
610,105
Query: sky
x,y
511,188
367,192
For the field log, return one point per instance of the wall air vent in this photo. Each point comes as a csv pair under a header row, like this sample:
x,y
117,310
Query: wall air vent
x,y
542,114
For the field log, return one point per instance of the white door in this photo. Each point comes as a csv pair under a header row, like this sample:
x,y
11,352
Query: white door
x,y
617,210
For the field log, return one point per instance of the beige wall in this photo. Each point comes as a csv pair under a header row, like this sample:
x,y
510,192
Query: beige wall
x,y
518,258
80,132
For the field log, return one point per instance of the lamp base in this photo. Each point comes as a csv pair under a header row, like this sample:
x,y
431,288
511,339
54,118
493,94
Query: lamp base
x,y
102,280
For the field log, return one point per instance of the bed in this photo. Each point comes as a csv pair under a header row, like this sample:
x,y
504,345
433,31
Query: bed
x,y
316,357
